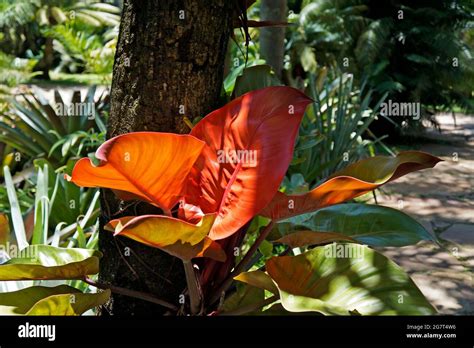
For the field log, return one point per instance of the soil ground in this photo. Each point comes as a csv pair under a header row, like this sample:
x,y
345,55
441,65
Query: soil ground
x,y
442,199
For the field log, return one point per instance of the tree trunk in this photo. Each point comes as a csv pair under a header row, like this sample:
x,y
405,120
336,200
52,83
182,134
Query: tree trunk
x,y
169,64
272,39
46,62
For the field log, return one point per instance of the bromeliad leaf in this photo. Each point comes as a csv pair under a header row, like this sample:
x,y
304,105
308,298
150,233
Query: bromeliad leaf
x,y
346,278
149,166
353,181
368,224
41,300
177,237
38,262
250,144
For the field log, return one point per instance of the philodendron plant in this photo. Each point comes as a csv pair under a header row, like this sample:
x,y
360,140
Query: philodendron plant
x,y
224,177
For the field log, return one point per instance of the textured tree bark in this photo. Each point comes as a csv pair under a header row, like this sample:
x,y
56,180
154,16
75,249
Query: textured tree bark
x,y
46,63
169,64
272,39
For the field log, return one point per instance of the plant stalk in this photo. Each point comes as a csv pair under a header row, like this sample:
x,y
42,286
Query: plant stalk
x,y
193,287
242,265
131,293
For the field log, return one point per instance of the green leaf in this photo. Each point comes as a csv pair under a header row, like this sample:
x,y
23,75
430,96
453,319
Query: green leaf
x,y
266,248
255,77
300,239
40,230
15,211
41,300
244,296
38,262
419,59
229,81
368,224
343,279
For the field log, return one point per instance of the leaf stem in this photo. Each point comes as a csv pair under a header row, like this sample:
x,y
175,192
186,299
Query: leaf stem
x,y
131,293
242,265
193,287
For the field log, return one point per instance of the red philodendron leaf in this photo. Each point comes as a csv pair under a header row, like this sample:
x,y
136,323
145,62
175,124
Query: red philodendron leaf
x,y
352,181
150,166
250,144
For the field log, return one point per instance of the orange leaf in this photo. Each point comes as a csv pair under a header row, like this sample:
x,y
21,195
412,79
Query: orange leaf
x,y
250,144
355,180
147,165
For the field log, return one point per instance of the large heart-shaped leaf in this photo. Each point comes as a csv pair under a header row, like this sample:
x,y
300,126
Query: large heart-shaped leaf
x,y
250,144
353,181
48,262
41,300
147,165
177,237
368,224
343,279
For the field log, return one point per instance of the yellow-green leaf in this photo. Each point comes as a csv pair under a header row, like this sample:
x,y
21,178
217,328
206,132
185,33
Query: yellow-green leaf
x,y
37,262
177,237
42,300
258,279
69,304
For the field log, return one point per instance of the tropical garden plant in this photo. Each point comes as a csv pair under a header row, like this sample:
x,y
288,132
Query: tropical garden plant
x,y
397,48
220,183
39,29
41,259
58,131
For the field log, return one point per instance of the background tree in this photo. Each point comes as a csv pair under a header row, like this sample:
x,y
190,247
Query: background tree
x,y
272,39
397,46
168,66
